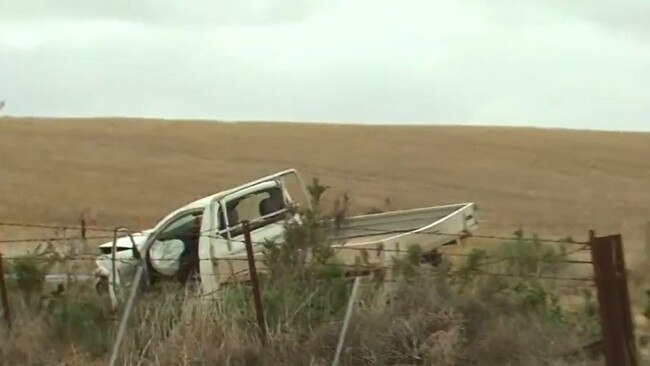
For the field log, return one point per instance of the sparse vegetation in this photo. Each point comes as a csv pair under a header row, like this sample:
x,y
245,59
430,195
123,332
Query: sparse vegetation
x,y
450,314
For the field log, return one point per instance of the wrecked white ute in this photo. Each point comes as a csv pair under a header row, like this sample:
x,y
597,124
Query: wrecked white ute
x,y
199,245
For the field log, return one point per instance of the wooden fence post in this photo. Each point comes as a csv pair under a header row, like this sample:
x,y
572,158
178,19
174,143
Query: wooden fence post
x,y
619,344
3,293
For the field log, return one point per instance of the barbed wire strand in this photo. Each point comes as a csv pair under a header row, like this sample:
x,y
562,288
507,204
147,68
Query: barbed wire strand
x,y
333,239
55,227
378,249
373,232
342,247
104,257
453,273
358,266
414,231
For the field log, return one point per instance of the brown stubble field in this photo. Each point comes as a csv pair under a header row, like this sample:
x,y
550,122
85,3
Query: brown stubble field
x,y
551,182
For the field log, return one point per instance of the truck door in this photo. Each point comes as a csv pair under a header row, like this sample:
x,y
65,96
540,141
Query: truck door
x,y
265,208
211,242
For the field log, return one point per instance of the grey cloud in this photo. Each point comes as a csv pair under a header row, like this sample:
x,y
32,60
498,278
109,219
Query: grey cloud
x,y
629,17
156,12
370,61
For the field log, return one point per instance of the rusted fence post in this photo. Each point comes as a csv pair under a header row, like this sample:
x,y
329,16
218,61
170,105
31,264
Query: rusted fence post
x,y
647,241
259,309
3,293
83,229
619,344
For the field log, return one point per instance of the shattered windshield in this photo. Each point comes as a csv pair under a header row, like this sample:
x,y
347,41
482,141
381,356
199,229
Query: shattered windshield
x,y
181,226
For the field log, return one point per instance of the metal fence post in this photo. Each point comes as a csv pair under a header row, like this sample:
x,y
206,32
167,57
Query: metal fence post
x,y
259,309
121,332
346,321
619,344
135,287
3,293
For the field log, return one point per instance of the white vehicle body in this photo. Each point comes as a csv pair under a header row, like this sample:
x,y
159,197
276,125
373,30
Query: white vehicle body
x,y
369,239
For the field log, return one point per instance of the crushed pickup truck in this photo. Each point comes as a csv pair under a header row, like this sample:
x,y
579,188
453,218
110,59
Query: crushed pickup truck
x,y
199,241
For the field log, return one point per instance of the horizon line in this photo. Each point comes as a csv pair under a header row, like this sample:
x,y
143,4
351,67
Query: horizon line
x,y
322,123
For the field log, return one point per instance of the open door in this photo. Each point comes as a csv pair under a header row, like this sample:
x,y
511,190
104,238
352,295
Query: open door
x,y
265,203
265,206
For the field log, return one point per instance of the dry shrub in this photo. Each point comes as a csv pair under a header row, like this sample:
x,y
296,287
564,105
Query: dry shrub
x,y
425,324
432,318
23,345
419,327
197,338
35,339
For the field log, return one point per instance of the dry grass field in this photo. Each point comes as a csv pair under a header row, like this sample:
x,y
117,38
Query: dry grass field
x,y
132,172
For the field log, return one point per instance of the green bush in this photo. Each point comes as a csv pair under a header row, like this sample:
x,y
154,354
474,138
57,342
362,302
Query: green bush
x,y
81,318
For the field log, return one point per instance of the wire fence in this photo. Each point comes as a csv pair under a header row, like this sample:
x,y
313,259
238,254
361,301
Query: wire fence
x,y
370,232
606,261
56,227
487,259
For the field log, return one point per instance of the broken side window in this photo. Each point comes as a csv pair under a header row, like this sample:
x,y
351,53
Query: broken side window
x,y
259,209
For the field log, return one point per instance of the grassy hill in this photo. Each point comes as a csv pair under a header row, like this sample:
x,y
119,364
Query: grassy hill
x,y
121,171
132,172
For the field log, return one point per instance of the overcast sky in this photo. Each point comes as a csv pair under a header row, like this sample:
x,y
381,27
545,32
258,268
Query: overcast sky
x,y
551,63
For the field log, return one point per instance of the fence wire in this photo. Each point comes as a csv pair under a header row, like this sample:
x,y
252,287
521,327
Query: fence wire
x,y
55,227
357,266
371,233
